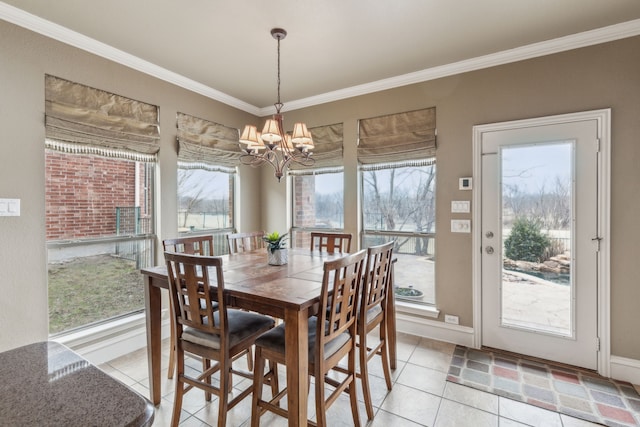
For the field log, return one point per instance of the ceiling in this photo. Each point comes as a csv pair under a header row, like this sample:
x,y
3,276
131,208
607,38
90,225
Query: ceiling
x,y
334,48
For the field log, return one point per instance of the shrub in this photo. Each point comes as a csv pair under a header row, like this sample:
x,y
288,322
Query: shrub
x,y
526,242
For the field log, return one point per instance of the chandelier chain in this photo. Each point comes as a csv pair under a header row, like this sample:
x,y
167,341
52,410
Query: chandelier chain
x,y
279,103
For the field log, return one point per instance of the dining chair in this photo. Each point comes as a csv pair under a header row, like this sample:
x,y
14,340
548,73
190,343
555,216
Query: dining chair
x,y
194,245
332,336
372,314
245,242
205,327
331,242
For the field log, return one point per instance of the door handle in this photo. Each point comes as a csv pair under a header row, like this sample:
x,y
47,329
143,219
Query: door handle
x,y
489,250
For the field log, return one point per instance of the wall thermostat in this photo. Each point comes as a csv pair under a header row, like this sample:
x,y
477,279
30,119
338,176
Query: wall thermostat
x,y
465,183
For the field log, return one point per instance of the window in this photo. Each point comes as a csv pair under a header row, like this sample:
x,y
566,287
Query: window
x,y
205,202
318,204
207,158
100,156
397,157
318,192
398,203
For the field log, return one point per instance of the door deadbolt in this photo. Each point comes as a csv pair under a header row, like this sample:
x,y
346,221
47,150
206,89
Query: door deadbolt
x,y
489,234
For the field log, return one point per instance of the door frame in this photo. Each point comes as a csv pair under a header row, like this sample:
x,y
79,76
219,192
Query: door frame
x,y
603,118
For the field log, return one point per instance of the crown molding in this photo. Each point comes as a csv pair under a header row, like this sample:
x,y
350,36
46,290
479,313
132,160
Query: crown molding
x,y
574,41
57,32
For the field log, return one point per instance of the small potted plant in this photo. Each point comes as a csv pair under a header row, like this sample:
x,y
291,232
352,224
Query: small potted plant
x,y
276,249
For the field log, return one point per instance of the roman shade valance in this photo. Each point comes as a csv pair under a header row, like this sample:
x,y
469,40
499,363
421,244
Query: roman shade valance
x,y
327,151
82,119
397,137
203,142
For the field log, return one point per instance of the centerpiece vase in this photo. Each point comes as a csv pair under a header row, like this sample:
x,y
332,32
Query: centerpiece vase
x,y
278,256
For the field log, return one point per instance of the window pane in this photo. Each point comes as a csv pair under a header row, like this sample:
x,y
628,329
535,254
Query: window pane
x,y
415,272
94,282
205,199
400,199
318,203
399,204
99,223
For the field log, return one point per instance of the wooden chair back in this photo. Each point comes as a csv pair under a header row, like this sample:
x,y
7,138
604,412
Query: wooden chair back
x,y
245,242
339,298
377,277
331,242
191,295
193,245
373,313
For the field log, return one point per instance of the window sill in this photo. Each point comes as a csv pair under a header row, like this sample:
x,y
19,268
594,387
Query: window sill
x,y
417,309
108,340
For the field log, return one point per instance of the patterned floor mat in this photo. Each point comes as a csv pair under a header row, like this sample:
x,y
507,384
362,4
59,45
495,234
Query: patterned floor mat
x,y
575,392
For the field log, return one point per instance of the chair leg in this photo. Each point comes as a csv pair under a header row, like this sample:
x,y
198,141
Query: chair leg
x,y
172,354
258,378
352,387
364,377
206,364
250,359
177,400
225,376
384,353
273,380
321,412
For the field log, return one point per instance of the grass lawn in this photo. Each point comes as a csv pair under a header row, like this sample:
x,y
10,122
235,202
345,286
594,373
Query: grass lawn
x,y
89,289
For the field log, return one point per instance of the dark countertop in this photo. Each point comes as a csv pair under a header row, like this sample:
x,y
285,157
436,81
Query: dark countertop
x,y
47,384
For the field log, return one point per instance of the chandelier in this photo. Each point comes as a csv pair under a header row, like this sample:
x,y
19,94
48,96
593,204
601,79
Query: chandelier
x,y
273,145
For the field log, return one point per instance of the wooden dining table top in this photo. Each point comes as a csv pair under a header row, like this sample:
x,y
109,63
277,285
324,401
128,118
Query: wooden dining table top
x,y
249,280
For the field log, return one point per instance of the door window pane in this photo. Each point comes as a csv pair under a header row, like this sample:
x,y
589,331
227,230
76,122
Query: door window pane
x,y
537,229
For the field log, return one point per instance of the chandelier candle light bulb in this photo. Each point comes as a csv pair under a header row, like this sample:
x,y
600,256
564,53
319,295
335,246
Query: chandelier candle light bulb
x,y
280,148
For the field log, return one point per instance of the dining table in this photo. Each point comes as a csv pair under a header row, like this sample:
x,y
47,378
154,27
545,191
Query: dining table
x,y
290,292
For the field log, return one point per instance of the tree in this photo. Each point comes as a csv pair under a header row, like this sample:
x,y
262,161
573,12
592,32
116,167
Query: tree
x,y
526,242
205,192
401,199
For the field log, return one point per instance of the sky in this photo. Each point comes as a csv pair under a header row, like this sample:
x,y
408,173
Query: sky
x,y
532,166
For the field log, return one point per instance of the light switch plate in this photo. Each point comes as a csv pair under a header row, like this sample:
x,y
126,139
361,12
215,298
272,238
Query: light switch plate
x,y
9,207
460,206
461,226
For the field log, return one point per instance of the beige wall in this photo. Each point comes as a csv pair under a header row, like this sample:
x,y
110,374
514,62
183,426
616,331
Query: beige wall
x,y
604,76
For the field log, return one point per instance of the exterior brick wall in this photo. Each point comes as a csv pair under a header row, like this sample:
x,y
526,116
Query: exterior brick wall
x,y
83,191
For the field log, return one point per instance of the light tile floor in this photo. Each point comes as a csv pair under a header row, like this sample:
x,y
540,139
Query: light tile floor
x,y
421,396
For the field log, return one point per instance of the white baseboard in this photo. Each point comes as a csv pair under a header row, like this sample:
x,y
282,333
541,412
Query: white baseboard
x,y
625,369
441,331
